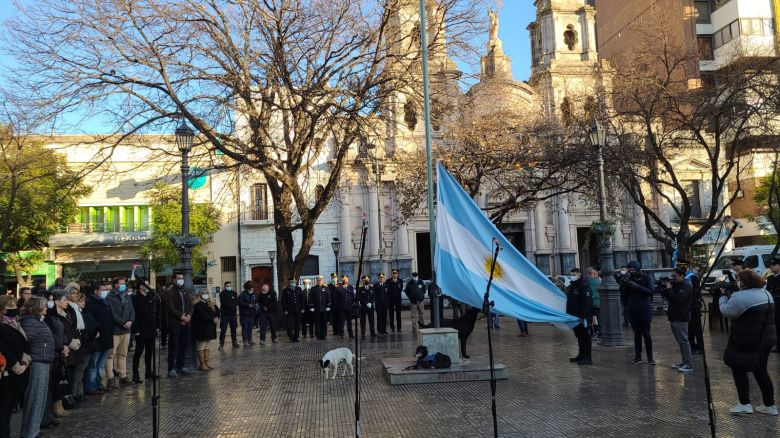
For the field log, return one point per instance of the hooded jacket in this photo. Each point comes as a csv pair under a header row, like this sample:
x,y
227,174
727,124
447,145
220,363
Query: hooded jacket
x,y
639,291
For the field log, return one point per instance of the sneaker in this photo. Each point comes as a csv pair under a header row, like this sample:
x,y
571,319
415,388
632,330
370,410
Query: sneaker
x,y
186,370
651,362
636,361
172,374
769,410
685,369
742,409
677,365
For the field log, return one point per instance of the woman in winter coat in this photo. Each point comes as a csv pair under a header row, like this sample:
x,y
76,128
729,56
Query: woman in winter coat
x,y
13,346
41,343
205,318
752,336
78,359
62,328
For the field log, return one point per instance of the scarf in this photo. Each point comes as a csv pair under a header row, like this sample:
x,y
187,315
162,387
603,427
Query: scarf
x,y
79,319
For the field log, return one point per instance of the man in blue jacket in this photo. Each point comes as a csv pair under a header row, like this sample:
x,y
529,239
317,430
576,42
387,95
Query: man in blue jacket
x,y
638,288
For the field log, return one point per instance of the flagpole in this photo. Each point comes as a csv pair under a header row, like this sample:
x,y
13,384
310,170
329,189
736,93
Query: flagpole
x,y
486,309
428,161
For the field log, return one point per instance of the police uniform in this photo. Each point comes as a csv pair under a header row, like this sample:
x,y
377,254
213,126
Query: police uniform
x,y
382,297
394,289
578,303
321,299
367,299
307,311
345,303
291,305
334,298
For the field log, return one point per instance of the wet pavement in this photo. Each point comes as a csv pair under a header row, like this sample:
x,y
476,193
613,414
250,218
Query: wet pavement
x,y
278,391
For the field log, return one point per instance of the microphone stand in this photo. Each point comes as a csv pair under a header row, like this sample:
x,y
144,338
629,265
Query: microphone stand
x,y
486,305
356,306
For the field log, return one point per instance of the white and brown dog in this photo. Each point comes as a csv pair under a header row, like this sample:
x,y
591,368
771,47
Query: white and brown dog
x,y
334,357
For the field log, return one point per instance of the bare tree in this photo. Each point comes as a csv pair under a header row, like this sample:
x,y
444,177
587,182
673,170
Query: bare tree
x,y
276,85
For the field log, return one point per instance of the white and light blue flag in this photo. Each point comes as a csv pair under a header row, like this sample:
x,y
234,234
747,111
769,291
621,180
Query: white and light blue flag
x,y
464,248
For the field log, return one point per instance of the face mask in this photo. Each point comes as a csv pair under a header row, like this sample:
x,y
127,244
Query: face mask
x,y
229,289
122,288
50,304
415,278
292,284
11,313
179,282
103,294
573,278
205,297
308,286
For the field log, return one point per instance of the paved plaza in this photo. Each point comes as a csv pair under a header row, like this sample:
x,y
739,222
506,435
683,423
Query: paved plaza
x,y
278,391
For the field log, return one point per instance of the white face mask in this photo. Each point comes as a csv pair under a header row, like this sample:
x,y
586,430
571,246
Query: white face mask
x,y
573,278
103,294
179,282
229,289
205,297
50,304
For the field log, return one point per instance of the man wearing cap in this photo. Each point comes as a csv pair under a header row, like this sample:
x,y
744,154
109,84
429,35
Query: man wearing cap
x,y
367,299
307,309
334,298
291,305
415,290
394,288
380,291
321,297
694,326
773,286
345,303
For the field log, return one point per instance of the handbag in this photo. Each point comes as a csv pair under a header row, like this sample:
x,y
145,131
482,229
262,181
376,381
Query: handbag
x,y
68,401
747,360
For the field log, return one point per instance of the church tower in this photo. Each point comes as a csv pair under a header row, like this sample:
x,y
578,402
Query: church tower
x,y
566,70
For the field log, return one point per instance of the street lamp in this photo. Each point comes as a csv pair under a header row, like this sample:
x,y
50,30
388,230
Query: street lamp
x,y
272,256
336,245
611,331
185,137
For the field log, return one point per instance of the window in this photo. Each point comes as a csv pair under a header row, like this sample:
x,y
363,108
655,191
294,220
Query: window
x,y
702,11
128,221
143,218
311,266
259,204
751,262
767,258
410,116
705,48
228,264
692,192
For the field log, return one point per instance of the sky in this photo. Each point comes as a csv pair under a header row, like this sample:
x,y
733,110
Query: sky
x,y
514,17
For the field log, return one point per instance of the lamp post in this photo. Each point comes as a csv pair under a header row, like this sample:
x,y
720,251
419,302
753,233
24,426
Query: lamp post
x,y
611,331
185,137
336,246
272,256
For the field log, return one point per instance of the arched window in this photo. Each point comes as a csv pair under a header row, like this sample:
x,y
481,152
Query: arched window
x,y
410,116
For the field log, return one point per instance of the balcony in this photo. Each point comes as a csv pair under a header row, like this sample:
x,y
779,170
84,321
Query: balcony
x,y
105,227
257,216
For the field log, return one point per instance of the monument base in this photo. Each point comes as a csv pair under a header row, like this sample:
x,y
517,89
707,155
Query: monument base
x,y
441,340
468,370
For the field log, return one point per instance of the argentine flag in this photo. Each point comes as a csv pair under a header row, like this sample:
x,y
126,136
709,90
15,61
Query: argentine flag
x,y
464,239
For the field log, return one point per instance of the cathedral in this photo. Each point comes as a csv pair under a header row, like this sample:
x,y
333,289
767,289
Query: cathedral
x,y
554,234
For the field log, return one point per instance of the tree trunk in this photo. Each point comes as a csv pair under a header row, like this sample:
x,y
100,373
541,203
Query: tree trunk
x,y
19,277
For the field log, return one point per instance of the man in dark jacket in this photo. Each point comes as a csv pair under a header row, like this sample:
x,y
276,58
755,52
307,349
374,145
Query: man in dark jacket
x,y
227,306
367,299
415,290
179,308
321,298
333,287
579,300
679,293
638,288
144,303
307,309
394,288
345,305
266,302
100,311
773,286
292,307
694,326
247,311
124,314
382,297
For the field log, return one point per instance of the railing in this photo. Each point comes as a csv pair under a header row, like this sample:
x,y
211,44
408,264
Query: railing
x,y
256,214
104,227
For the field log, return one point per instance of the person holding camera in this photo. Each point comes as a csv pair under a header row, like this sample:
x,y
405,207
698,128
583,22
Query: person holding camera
x,y
638,289
752,312
679,293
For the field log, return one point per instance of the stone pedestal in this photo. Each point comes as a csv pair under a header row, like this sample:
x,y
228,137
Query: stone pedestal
x,y
440,340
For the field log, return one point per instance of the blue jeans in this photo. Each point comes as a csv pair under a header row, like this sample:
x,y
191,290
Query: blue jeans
x,y
97,361
523,326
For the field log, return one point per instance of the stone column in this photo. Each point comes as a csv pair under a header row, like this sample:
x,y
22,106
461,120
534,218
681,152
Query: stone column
x,y
345,228
373,223
565,247
540,237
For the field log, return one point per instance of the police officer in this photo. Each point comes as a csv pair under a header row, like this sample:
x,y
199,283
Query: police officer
x,y
227,308
321,299
334,298
291,305
415,290
381,293
773,286
307,309
367,299
578,303
345,310
394,288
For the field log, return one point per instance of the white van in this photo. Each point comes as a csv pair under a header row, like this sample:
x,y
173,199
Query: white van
x,y
756,257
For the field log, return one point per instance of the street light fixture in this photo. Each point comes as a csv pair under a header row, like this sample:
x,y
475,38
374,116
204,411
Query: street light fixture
x,y
611,331
336,246
185,137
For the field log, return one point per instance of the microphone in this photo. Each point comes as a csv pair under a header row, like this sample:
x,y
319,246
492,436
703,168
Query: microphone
x,y
497,244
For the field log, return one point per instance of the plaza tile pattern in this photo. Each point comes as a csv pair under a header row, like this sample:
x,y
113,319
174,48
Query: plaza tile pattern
x,y
278,391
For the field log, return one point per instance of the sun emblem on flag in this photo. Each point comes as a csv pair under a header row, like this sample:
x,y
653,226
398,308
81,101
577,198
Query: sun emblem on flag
x,y
498,271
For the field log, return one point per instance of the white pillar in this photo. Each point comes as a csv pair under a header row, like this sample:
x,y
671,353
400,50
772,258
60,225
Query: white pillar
x,y
640,231
540,224
345,228
564,231
373,221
